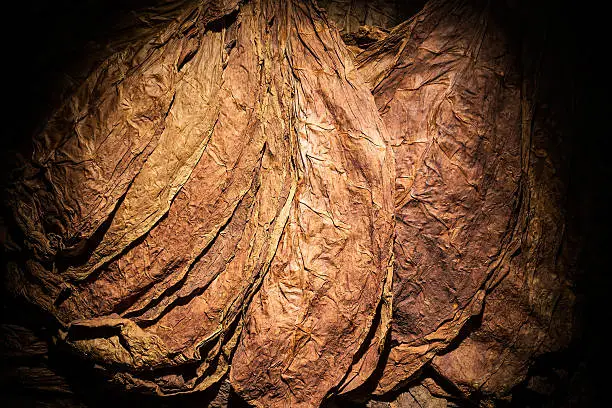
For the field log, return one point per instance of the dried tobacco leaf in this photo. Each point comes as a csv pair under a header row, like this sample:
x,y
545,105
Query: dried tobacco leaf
x,y
307,203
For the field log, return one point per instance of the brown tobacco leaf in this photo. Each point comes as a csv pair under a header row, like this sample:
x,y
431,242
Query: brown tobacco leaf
x,y
350,16
529,312
116,341
445,85
202,262
265,129
95,144
231,194
364,22
317,303
187,130
448,87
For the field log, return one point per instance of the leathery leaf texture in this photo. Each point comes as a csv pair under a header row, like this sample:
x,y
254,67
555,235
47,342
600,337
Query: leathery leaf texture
x,y
306,199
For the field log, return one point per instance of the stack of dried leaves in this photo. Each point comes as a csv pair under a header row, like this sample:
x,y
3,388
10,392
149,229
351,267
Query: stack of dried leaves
x,y
308,207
